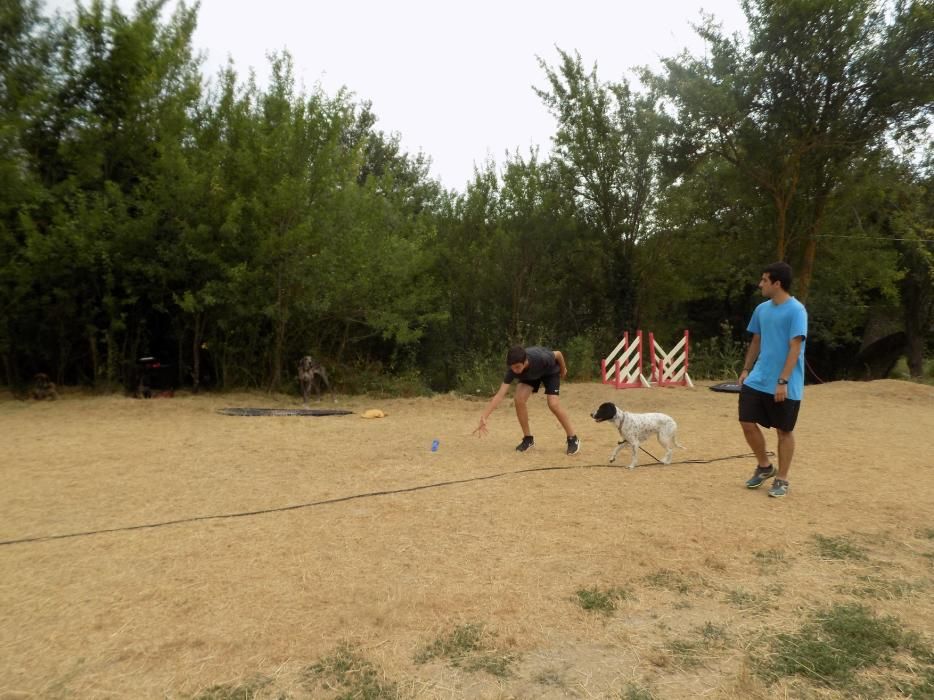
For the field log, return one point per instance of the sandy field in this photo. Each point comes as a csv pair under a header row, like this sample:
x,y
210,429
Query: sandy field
x,y
158,548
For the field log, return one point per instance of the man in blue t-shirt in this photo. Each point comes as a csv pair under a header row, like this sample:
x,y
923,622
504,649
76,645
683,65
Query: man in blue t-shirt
x,y
533,367
773,375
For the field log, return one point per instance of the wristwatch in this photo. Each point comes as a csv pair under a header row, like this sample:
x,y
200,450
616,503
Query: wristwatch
x,y
782,381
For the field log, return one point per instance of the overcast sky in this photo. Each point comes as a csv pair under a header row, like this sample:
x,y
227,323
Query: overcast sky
x,y
453,80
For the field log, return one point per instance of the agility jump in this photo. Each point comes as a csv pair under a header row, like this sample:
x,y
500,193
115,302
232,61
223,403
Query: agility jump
x,y
670,368
622,368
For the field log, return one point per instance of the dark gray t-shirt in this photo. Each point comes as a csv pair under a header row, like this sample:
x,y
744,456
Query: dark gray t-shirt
x,y
542,362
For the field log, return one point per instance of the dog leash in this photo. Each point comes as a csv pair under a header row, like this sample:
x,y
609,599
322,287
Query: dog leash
x,y
341,499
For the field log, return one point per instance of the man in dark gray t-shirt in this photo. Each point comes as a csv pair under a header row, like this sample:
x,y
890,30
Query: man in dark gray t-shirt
x,y
532,367
540,362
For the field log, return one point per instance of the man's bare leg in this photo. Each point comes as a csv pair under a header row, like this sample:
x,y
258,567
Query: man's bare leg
x,y
756,441
555,405
786,450
523,392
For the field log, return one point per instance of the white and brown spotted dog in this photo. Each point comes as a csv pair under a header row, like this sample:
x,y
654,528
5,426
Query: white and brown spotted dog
x,y
308,369
635,428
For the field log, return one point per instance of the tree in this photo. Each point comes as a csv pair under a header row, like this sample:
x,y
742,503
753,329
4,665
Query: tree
x,y
906,216
817,86
117,103
28,44
607,145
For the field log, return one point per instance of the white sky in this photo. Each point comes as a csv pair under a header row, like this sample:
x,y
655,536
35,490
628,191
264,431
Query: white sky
x,y
453,80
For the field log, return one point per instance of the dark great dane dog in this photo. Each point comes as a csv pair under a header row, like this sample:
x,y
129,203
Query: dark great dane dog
x,y
43,388
308,369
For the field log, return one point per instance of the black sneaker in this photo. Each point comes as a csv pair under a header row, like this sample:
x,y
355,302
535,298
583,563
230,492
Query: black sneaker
x,y
528,442
574,445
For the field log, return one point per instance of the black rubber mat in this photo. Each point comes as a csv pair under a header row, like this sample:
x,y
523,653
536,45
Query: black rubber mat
x,y
283,411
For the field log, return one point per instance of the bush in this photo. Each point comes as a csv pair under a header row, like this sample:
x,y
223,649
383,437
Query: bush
x,y
720,357
900,371
372,378
583,363
480,375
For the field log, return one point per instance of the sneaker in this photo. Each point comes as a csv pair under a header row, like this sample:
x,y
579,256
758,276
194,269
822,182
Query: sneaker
x,y
779,488
574,445
762,473
528,442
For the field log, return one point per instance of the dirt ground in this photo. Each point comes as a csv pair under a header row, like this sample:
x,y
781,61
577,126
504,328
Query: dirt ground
x,y
160,549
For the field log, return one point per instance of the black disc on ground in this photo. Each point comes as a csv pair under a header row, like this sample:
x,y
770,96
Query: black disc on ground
x,y
729,387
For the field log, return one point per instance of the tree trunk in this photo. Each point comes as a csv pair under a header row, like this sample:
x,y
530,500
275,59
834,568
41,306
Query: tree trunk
x,y
804,275
196,352
8,369
220,368
780,224
918,303
95,360
62,353
518,287
133,379
279,347
914,352
112,351
345,337
180,369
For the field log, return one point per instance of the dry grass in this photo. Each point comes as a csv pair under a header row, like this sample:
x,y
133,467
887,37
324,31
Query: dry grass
x,y
339,599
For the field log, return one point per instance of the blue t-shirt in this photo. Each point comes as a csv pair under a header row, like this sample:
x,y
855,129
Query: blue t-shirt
x,y
776,325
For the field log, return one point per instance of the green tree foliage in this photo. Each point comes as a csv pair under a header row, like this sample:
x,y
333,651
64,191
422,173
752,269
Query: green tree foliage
x,y
27,43
815,88
231,226
328,229
607,146
896,206
228,230
115,89
521,267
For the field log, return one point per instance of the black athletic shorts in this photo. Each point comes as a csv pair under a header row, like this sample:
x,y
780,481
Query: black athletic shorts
x,y
762,408
552,384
